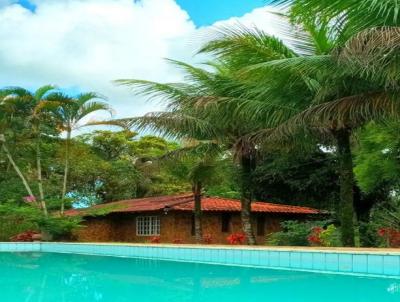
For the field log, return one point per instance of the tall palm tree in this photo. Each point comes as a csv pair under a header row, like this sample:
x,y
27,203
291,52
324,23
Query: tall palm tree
x,y
37,101
196,111
70,113
7,112
341,88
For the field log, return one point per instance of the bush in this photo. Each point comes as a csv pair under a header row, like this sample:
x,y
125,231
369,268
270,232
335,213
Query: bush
x,y
236,238
59,227
384,216
16,219
331,236
324,237
297,233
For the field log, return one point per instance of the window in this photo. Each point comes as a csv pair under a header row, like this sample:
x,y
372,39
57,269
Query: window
x,y
260,225
225,222
147,225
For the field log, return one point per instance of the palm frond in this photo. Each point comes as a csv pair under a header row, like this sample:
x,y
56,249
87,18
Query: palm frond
x,y
347,112
374,54
42,91
244,46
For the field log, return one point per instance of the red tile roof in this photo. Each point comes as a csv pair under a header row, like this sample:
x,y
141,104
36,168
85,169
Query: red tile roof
x,y
185,203
219,204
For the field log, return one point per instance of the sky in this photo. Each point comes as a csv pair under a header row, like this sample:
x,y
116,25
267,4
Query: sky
x,y
84,45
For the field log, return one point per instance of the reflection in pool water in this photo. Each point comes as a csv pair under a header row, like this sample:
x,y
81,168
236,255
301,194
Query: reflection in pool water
x,y
45,277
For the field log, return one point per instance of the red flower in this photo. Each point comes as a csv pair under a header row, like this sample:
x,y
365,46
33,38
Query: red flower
x,y
27,236
315,237
236,238
382,232
391,235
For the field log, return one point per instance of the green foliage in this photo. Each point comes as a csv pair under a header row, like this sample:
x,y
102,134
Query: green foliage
x,y
298,178
377,157
15,219
331,236
383,215
294,233
59,227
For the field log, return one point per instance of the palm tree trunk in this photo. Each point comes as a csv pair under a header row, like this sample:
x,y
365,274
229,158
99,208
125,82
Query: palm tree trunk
x,y
247,166
66,169
346,178
39,177
197,212
16,168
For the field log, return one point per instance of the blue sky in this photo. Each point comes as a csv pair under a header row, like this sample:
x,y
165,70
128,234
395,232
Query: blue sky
x,y
206,12
85,45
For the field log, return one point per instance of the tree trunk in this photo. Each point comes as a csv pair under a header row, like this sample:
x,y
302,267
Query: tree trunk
x,y
247,166
346,178
197,187
66,169
39,176
16,168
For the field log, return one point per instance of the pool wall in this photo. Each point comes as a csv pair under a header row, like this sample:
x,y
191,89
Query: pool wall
x,y
374,263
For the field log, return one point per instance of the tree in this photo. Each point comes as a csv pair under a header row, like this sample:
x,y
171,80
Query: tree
x,y
338,93
70,113
37,103
190,118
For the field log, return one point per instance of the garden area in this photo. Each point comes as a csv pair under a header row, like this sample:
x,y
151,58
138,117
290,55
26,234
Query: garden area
x,y
308,118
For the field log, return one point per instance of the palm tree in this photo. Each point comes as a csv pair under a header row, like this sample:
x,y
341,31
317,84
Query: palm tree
x,y
6,113
70,113
38,102
196,111
344,85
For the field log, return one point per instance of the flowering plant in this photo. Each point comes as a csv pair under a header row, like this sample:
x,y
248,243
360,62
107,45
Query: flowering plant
x,y
314,238
391,235
236,238
155,239
27,236
207,239
29,198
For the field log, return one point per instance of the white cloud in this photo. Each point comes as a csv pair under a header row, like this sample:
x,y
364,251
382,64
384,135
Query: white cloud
x,y
6,2
89,43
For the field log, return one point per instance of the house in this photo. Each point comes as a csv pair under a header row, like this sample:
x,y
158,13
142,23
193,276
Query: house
x,y
171,218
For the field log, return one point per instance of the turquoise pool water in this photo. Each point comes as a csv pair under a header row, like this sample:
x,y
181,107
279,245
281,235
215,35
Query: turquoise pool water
x,y
42,277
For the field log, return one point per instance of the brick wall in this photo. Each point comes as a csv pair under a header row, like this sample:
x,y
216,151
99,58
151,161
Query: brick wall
x,y
175,225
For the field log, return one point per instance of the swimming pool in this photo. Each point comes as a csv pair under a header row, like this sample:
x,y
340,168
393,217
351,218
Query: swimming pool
x,y
37,276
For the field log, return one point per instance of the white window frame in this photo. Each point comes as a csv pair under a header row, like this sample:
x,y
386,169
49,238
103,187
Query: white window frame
x,y
148,226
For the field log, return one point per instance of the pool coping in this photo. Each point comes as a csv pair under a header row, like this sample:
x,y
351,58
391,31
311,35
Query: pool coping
x,y
348,250
348,261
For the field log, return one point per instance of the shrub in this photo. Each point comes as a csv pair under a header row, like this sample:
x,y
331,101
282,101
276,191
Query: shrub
x,y
59,227
177,241
27,236
236,238
383,224
324,237
16,219
391,236
293,233
314,239
297,233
